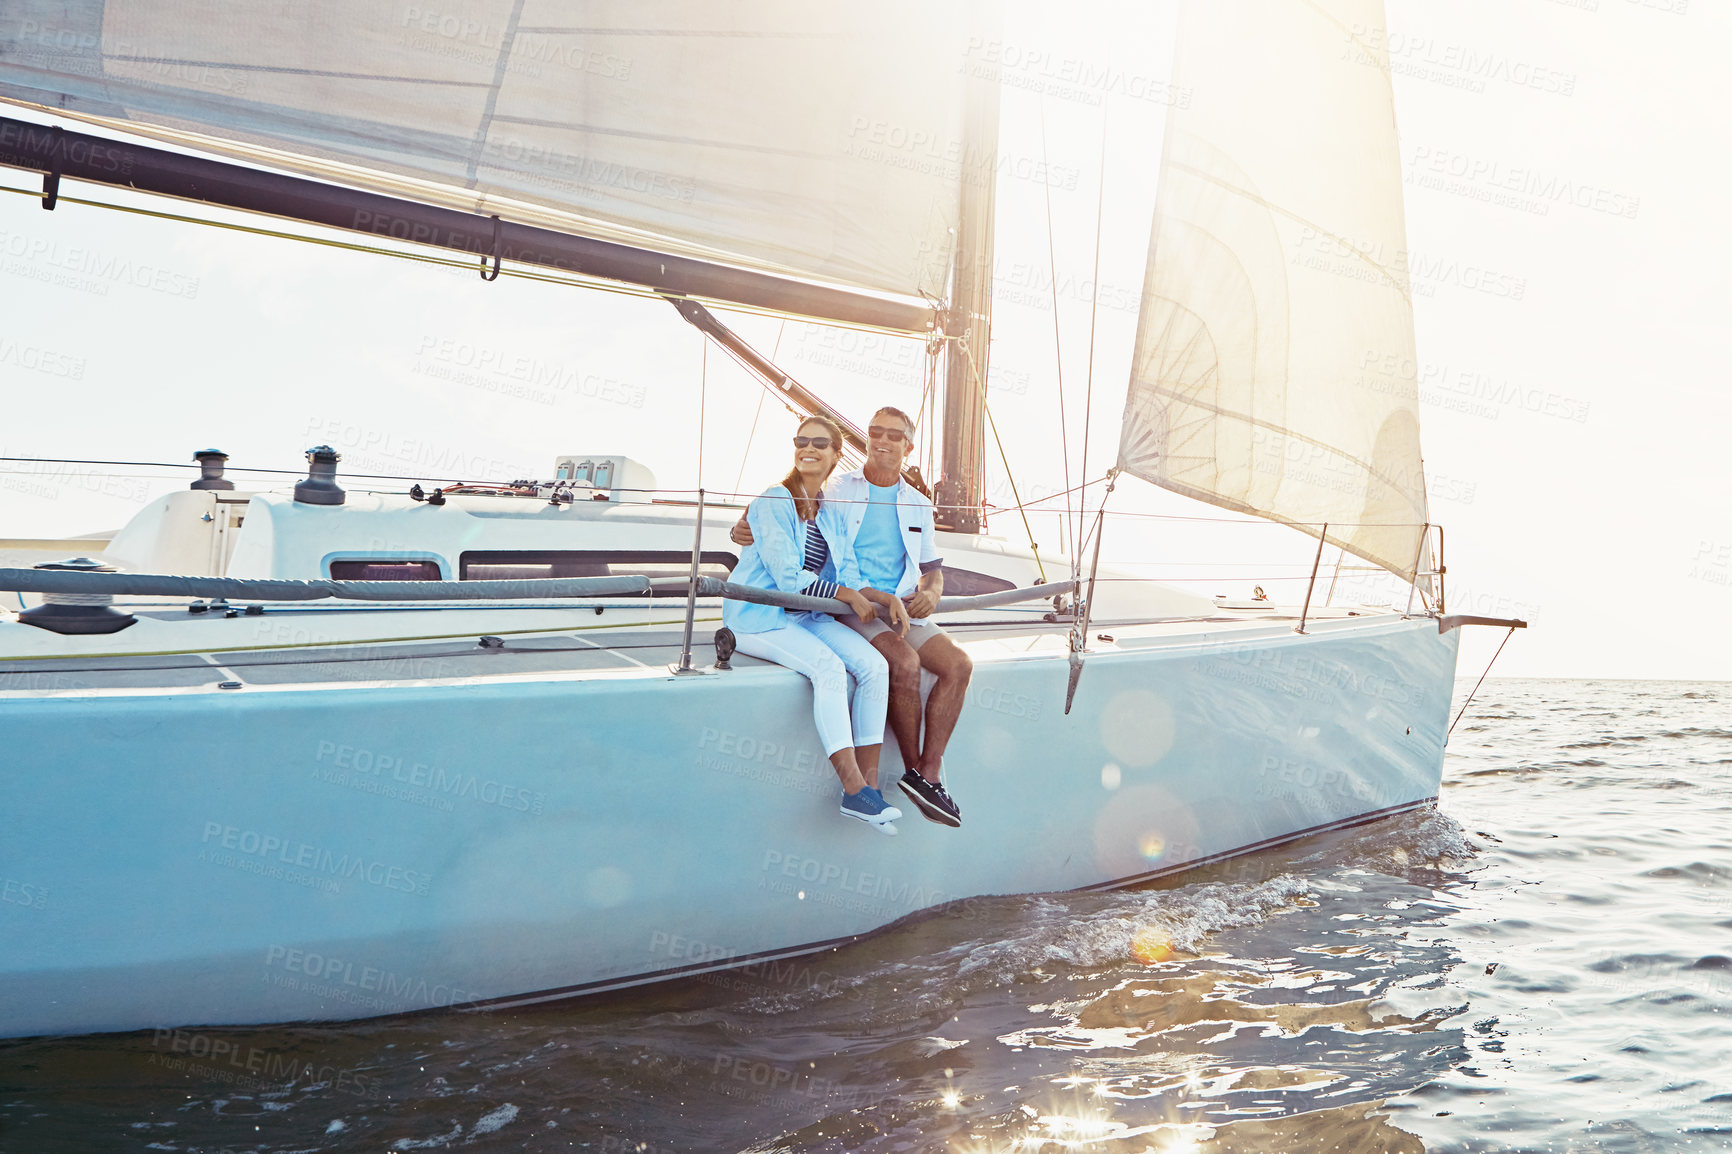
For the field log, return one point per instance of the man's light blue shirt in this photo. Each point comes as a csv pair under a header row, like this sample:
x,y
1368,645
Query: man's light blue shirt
x,y
878,548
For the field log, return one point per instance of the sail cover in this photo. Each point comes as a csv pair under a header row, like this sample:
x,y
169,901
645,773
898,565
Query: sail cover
x,y
1274,369
818,141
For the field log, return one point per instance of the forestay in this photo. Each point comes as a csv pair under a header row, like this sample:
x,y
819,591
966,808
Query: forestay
x,y
818,141
1274,371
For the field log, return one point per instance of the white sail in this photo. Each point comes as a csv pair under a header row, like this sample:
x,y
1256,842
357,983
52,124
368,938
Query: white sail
x,y
820,141
1273,368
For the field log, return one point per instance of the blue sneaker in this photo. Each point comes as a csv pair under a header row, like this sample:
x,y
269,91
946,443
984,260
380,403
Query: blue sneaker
x,y
870,807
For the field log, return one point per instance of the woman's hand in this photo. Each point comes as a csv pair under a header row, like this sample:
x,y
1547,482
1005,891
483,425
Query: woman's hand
x,y
895,613
741,533
863,609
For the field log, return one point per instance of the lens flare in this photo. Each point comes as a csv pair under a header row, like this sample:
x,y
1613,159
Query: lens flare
x,y
1150,945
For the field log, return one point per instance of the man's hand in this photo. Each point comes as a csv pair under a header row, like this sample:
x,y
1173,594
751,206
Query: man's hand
x,y
924,600
741,533
863,609
921,603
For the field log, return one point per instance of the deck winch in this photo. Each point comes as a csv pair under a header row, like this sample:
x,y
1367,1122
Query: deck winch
x,y
210,463
77,612
320,487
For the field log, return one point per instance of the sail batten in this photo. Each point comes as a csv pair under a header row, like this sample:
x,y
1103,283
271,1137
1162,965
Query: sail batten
x,y
1277,309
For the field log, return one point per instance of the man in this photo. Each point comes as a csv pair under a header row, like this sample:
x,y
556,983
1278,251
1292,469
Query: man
x,y
891,526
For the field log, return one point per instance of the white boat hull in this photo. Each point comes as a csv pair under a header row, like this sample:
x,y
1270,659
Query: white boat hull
x,y
337,851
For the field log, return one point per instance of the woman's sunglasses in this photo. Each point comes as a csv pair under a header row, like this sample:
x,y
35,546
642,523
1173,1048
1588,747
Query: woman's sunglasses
x,y
815,442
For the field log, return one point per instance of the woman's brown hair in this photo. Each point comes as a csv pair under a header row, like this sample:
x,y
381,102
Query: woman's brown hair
x,y
806,504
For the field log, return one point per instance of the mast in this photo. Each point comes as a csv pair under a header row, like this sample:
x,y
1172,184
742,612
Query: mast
x,y
968,319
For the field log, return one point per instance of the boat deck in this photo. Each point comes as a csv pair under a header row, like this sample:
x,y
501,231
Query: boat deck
x,y
347,646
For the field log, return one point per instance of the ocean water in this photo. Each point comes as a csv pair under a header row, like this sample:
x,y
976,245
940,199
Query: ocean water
x,y
1543,963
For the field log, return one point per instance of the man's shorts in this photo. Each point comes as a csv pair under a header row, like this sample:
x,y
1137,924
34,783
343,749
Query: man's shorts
x,y
920,629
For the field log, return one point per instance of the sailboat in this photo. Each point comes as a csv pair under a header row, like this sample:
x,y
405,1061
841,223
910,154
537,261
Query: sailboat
x,y
321,752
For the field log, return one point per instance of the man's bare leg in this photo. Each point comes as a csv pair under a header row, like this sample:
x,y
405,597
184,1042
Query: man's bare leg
x,y
946,660
904,710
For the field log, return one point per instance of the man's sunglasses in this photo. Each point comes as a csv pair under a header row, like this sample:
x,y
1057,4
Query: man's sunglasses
x,y
880,433
815,442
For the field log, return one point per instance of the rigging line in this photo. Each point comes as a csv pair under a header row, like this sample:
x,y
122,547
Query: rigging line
x,y
1057,351
925,411
1094,566
1111,478
774,350
980,385
569,280
1480,682
232,468
1094,310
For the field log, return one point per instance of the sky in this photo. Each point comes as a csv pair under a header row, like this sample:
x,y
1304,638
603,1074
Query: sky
x,y
1564,159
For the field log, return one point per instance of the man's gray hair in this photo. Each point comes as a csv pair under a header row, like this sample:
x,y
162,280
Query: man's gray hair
x,y
907,421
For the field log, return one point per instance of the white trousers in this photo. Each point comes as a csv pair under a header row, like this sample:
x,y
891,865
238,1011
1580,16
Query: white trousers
x,y
828,652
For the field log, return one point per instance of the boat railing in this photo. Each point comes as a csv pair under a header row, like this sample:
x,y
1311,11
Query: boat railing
x,y
77,583
710,587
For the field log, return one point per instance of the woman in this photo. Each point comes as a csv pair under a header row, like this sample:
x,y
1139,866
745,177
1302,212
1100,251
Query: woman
x,y
799,545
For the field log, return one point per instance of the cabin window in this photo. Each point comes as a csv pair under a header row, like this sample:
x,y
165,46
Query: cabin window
x,y
656,564
968,583
384,569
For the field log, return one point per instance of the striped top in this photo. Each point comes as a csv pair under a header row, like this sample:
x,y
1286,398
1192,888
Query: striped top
x,y
817,556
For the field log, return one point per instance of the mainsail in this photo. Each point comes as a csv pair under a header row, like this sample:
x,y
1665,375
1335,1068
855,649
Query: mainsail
x,y
1273,371
816,141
